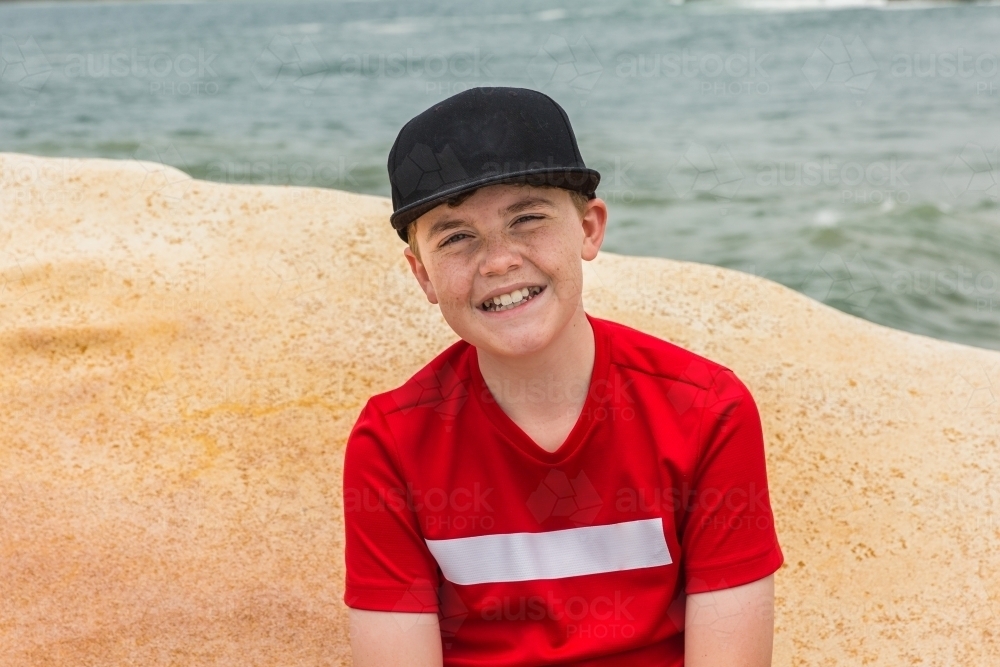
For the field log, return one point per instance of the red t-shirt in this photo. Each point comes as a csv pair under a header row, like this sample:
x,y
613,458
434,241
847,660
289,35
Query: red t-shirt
x,y
581,556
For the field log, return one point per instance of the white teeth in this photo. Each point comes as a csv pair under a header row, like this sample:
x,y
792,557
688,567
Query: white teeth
x,y
511,300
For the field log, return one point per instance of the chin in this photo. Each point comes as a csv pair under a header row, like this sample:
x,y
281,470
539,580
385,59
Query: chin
x,y
516,346
513,339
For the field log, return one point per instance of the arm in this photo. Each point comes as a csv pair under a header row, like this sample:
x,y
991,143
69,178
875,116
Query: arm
x,y
392,581
731,627
395,639
729,537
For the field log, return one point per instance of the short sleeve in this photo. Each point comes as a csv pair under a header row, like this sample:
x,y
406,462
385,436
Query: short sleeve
x,y
389,567
729,538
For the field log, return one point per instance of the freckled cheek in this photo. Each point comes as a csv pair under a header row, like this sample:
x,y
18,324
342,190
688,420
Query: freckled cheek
x,y
560,264
453,285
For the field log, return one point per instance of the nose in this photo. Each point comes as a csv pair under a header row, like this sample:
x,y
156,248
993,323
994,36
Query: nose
x,y
500,255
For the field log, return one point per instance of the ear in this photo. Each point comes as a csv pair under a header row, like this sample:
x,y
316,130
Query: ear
x,y
420,273
595,221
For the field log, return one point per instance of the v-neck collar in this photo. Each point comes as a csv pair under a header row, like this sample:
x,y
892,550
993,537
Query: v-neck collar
x,y
576,437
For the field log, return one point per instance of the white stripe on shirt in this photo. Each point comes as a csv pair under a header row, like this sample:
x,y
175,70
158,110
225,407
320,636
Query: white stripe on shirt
x,y
552,555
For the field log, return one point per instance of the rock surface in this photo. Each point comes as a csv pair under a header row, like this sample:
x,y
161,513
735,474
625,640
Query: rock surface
x,y
183,360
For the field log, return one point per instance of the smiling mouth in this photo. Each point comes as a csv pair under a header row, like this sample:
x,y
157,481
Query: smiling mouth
x,y
497,303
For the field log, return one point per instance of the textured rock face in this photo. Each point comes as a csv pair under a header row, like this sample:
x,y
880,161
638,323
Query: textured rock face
x,y
182,362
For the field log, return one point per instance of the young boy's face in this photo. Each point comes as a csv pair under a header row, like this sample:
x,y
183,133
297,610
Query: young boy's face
x,y
501,238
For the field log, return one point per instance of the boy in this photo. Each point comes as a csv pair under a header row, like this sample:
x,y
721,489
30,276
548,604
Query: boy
x,y
553,488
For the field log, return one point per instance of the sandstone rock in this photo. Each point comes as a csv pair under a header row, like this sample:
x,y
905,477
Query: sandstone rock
x,y
182,362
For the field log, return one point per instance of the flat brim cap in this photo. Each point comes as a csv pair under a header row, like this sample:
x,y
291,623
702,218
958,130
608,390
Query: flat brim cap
x,y
483,136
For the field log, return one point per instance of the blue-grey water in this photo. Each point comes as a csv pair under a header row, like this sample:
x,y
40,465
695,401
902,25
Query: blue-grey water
x,y
849,154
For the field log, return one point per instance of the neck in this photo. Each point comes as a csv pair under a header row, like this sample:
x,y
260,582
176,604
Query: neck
x,y
555,378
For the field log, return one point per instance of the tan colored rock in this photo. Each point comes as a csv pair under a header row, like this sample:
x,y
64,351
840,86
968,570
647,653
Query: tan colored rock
x,y
182,362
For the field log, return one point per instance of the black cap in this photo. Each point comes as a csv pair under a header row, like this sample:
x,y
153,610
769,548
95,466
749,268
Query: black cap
x,y
483,136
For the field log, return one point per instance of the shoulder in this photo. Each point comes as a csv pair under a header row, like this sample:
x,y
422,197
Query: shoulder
x,y
639,352
442,379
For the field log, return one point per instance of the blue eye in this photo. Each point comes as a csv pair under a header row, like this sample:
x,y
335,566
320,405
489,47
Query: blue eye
x,y
452,238
528,217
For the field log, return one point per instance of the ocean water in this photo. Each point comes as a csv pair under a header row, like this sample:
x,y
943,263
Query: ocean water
x,y
850,153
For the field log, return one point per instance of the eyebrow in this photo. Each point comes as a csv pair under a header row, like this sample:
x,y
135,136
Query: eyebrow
x,y
443,226
451,223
